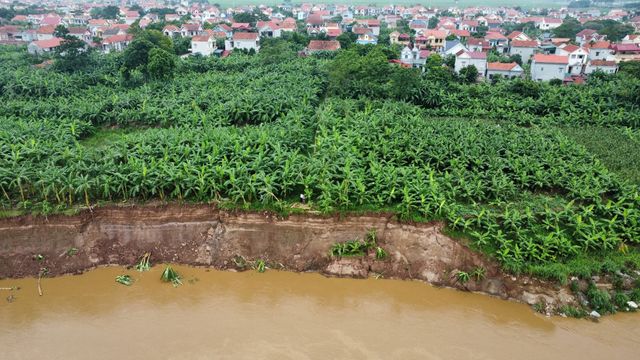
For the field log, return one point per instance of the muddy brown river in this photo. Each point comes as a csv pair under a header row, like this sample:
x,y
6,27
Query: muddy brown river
x,y
282,315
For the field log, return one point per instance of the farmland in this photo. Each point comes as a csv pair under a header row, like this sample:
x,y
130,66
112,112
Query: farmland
x,y
499,164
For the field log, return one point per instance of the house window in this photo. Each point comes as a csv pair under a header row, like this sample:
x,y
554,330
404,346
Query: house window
x,y
597,53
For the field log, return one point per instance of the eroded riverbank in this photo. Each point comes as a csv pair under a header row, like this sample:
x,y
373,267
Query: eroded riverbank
x,y
283,315
205,236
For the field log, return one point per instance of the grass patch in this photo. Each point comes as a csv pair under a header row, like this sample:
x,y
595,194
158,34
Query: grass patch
x,y
612,146
105,137
588,265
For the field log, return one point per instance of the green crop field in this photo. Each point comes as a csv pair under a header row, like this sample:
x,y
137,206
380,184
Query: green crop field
x,y
539,177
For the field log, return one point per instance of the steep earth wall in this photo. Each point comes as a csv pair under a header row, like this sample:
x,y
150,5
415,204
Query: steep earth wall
x,y
205,236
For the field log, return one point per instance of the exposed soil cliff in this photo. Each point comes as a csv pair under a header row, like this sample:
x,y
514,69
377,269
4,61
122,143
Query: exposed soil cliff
x,y
203,235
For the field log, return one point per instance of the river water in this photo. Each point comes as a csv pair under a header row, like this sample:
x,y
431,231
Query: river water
x,y
282,315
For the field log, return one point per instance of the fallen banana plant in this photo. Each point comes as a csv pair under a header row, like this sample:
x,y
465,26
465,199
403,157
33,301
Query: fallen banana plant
x,y
124,280
172,276
144,264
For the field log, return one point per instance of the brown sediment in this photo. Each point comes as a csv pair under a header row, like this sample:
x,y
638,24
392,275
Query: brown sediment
x,y
205,236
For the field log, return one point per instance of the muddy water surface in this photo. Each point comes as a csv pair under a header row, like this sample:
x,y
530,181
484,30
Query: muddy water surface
x,y
281,315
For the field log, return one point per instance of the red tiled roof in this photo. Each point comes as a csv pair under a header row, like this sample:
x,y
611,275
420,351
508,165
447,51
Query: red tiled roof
x,y
328,45
626,47
76,30
47,29
601,45
334,32
117,39
570,48
460,33
514,35
495,36
49,43
435,33
498,66
550,59
524,43
315,19
603,63
200,38
586,32
245,36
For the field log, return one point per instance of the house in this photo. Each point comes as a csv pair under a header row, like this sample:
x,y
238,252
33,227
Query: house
x,y
469,25
524,48
588,35
45,32
414,57
454,47
431,39
497,41
203,45
504,70
631,38
549,67
116,42
171,31
462,35
81,33
478,45
372,24
605,66
601,50
188,30
9,33
244,41
224,28
314,22
577,57
269,29
40,47
322,45
131,17
398,38
289,24
626,52
468,58
241,26
518,35
548,23
366,37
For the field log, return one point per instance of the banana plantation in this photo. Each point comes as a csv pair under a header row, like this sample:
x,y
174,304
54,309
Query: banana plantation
x,y
486,159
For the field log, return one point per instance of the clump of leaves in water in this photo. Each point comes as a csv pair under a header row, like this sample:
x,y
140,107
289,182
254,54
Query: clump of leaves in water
x,y
172,276
124,280
144,264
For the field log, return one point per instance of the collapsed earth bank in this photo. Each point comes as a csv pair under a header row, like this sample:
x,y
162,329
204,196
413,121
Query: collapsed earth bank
x,y
206,236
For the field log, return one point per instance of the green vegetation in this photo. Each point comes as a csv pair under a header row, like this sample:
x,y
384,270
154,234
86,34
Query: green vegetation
x,y
616,148
359,247
144,264
124,280
170,275
463,277
260,266
515,166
